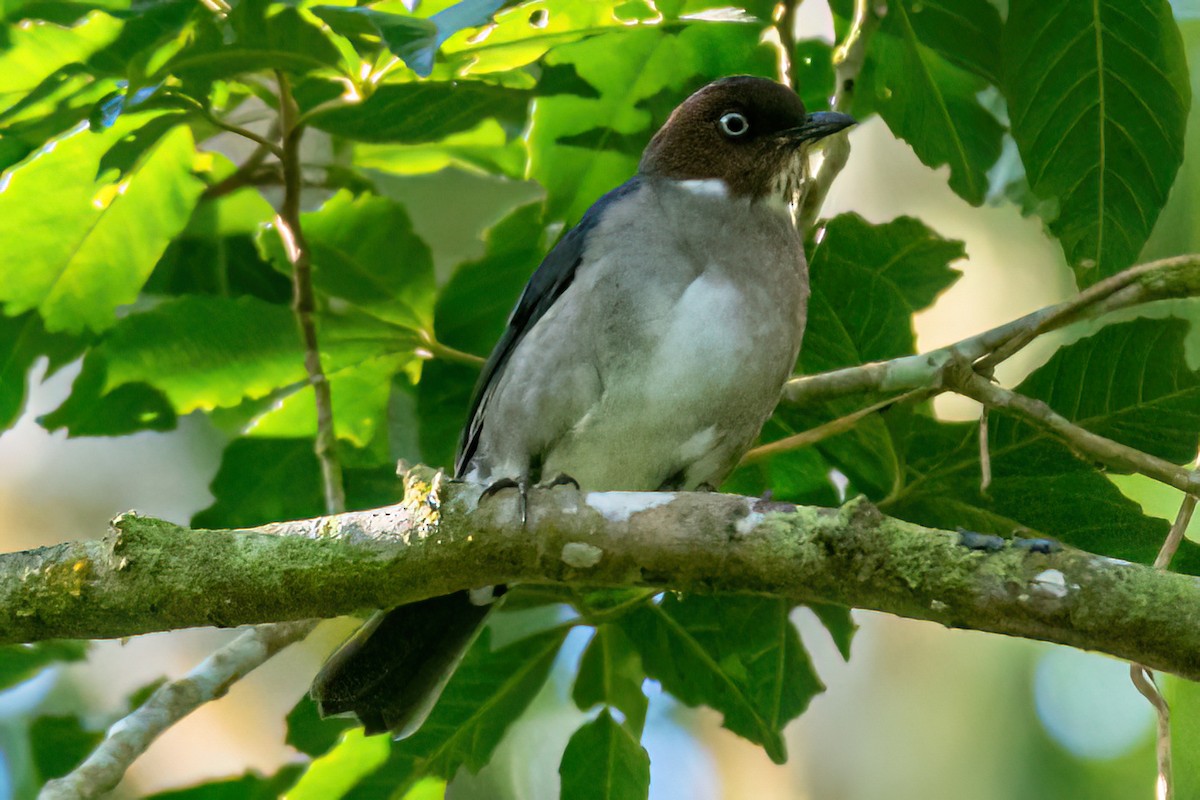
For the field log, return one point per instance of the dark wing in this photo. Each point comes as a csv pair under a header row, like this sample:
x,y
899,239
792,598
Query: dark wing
x,y
549,281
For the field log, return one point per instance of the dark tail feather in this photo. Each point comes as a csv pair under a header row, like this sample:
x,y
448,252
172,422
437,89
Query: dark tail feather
x,y
392,670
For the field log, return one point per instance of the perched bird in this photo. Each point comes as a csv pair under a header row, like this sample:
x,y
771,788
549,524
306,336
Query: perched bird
x,y
645,354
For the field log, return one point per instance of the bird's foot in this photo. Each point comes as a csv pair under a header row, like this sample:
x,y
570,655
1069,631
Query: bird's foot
x,y
561,479
521,485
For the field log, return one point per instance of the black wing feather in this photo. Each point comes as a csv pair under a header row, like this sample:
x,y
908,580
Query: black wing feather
x,y
549,281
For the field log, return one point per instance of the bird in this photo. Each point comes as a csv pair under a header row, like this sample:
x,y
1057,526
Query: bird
x,y
645,354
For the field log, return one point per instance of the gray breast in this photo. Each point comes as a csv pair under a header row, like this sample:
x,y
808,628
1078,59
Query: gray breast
x,y
659,364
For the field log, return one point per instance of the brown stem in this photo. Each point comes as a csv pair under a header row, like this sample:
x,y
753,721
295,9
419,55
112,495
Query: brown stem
x,y
303,301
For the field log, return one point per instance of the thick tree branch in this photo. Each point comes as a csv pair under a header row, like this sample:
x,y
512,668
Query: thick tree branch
x,y
150,575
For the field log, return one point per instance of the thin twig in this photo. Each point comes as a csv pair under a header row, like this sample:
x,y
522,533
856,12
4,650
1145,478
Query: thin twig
x,y
848,60
828,429
1087,444
1169,278
303,300
1143,677
129,737
985,454
246,133
245,175
785,28
432,348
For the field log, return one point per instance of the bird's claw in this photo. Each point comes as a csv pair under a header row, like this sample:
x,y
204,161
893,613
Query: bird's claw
x,y
522,487
561,479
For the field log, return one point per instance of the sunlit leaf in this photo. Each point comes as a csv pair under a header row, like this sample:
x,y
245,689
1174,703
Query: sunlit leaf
x,y
252,38
414,113
78,249
333,774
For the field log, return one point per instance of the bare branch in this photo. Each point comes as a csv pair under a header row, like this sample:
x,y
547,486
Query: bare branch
x,y
128,738
1087,444
1143,678
1169,278
831,428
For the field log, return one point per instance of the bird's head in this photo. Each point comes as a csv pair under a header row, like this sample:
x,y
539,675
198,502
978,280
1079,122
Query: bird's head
x,y
751,133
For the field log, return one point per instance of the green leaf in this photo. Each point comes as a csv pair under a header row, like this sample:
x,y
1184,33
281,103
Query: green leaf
x,y
1129,381
414,113
23,340
1099,118
739,654
630,69
930,103
964,32
95,409
798,476
59,744
812,67
840,624
227,266
487,147
310,734
270,480
209,352
603,761
867,281
488,692
365,250
261,481
35,52
206,352
250,39
523,34
19,662
77,250
333,774
360,403
408,37
1184,699
251,786
413,39
610,673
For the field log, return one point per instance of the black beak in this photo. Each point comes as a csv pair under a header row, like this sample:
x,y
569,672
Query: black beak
x,y
820,124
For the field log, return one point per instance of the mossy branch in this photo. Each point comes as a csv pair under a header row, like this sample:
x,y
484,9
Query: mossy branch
x,y
150,575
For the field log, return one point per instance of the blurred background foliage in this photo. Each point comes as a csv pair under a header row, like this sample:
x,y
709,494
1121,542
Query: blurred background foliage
x,y
1009,152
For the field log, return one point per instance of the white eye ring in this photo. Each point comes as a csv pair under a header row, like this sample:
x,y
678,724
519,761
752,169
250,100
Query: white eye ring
x,y
734,124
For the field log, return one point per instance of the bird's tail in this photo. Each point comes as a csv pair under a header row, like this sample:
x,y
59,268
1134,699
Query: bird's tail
x,y
391,671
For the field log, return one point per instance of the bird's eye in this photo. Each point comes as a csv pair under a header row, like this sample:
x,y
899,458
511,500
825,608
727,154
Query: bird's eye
x,y
733,124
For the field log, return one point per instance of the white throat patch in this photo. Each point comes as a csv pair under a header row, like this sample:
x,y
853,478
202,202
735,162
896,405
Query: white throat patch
x,y
706,187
